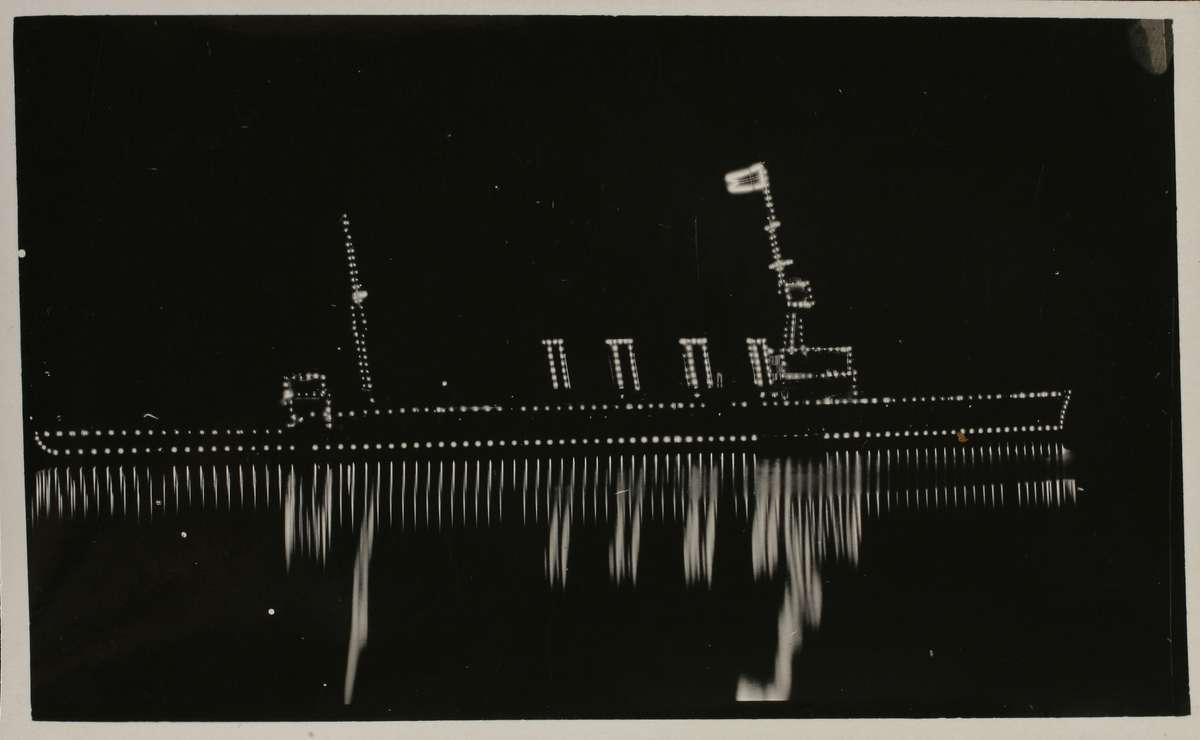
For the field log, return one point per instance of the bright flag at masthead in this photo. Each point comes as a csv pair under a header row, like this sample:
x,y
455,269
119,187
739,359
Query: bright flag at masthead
x,y
749,180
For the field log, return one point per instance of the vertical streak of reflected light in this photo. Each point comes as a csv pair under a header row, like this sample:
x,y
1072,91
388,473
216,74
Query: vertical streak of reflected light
x,y
439,495
359,599
487,492
428,484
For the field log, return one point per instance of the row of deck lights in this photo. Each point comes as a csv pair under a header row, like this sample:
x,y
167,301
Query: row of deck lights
x,y
550,442
935,432
173,449
682,405
1066,396
668,439
675,405
159,432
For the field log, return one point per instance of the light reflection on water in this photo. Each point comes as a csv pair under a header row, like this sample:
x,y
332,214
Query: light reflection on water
x,y
801,513
804,515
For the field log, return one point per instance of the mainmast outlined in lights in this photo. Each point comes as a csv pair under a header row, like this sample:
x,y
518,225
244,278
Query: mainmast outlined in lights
x,y
770,366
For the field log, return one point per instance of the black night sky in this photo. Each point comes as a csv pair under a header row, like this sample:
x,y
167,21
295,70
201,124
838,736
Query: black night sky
x,y
982,205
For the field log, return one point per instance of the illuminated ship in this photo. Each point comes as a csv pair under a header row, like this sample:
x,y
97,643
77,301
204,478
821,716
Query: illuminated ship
x,y
798,395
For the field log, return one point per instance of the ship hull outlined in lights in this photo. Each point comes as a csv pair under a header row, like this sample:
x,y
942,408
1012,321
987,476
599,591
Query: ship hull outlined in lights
x,y
795,395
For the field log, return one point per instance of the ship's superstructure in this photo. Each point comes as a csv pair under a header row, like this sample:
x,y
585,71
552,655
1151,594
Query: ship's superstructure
x,y
793,370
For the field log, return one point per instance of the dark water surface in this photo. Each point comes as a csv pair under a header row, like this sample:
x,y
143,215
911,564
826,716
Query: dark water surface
x,y
922,581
